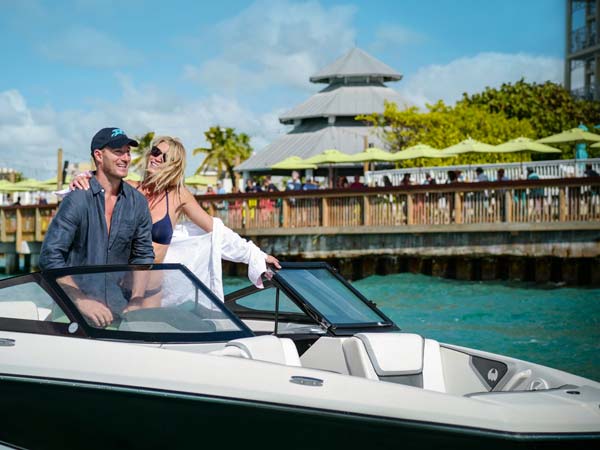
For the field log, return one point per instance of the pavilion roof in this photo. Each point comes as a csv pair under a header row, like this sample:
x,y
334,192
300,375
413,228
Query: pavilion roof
x,y
344,100
308,140
356,63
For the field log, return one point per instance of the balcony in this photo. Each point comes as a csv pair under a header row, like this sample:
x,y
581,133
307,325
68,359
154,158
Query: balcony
x,y
591,92
583,38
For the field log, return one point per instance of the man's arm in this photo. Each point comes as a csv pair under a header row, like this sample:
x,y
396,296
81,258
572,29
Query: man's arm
x,y
61,234
142,251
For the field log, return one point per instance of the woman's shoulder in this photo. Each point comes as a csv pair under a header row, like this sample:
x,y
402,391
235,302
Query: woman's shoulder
x,y
133,184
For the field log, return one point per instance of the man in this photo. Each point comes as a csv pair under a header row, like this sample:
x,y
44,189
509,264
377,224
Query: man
x,y
590,172
356,184
268,186
109,223
310,185
220,189
429,179
294,184
481,176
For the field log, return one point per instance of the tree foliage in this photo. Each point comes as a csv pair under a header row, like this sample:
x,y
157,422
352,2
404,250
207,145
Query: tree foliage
x,y
492,116
226,149
138,152
442,126
549,107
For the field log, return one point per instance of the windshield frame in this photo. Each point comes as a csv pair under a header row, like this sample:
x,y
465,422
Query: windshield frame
x,y
335,329
51,276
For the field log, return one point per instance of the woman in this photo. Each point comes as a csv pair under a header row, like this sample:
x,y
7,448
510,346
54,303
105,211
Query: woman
x,y
163,186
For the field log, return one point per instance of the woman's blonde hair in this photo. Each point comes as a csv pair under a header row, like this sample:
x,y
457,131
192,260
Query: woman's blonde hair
x,y
171,173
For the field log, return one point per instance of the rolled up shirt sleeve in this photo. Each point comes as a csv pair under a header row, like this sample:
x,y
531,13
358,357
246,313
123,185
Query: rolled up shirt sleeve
x,y
61,234
142,251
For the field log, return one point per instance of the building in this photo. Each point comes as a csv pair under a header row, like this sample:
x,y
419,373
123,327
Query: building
x,y
582,60
355,85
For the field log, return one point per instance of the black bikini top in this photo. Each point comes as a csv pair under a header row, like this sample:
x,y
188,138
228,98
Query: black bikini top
x,y
162,231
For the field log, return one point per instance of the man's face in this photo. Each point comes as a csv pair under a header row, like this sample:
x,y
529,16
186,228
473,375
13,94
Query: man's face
x,y
115,161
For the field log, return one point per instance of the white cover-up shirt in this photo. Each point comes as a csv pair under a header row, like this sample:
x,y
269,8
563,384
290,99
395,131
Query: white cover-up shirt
x,y
201,252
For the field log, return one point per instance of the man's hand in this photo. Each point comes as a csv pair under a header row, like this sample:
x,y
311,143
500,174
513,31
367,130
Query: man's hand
x,y
95,312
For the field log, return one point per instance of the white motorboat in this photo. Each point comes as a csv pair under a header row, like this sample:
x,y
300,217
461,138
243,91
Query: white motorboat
x,y
307,362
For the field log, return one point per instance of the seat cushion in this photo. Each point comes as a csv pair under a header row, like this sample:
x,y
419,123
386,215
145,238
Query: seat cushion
x,y
268,348
394,354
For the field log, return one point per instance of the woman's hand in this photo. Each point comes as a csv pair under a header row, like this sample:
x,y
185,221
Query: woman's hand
x,y
81,181
271,261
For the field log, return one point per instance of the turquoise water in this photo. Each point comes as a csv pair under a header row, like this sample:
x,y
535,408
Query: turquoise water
x,y
556,327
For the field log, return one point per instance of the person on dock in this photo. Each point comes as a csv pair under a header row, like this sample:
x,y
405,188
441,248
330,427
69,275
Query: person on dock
x,y
481,176
356,184
429,179
109,223
294,184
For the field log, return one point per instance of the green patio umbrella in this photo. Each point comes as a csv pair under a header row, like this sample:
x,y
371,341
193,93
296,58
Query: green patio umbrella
x,y
523,144
595,145
330,157
51,182
29,184
418,151
469,145
133,176
293,162
371,154
572,135
7,186
200,180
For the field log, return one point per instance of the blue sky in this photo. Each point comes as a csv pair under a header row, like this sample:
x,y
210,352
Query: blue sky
x,y
72,67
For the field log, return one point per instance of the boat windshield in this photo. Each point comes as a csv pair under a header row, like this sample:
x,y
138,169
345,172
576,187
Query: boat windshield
x,y
167,301
336,301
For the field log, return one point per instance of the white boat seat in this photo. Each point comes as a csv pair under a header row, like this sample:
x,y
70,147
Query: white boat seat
x,y
263,348
19,310
396,357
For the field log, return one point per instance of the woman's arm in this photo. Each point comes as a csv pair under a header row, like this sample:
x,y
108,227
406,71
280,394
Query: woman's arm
x,y
194,211
201,218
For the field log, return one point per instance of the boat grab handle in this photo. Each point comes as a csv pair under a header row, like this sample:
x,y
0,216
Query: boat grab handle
x,y
6,342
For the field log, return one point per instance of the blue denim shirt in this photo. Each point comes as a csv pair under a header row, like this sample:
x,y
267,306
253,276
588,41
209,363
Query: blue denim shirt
x,y
78,234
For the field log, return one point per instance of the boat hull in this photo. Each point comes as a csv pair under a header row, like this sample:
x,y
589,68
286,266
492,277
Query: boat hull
x,y
40,413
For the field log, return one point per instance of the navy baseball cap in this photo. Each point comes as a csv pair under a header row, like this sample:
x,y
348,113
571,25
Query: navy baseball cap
x,y
111,137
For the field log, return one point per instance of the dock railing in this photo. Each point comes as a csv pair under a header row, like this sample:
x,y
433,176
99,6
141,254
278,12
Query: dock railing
x,y
438,207
533,201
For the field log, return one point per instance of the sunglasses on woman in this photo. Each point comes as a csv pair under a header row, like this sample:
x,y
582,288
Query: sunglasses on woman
x,y
157,152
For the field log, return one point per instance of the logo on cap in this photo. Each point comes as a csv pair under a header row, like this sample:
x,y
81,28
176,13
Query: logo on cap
x,y
116,132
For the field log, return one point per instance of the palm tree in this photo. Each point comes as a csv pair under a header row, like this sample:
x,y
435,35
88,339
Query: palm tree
x,y
227,149
138,152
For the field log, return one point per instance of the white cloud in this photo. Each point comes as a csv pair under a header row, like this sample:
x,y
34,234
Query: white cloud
x,y
37,133
393,36
474,74
84,46
275,43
